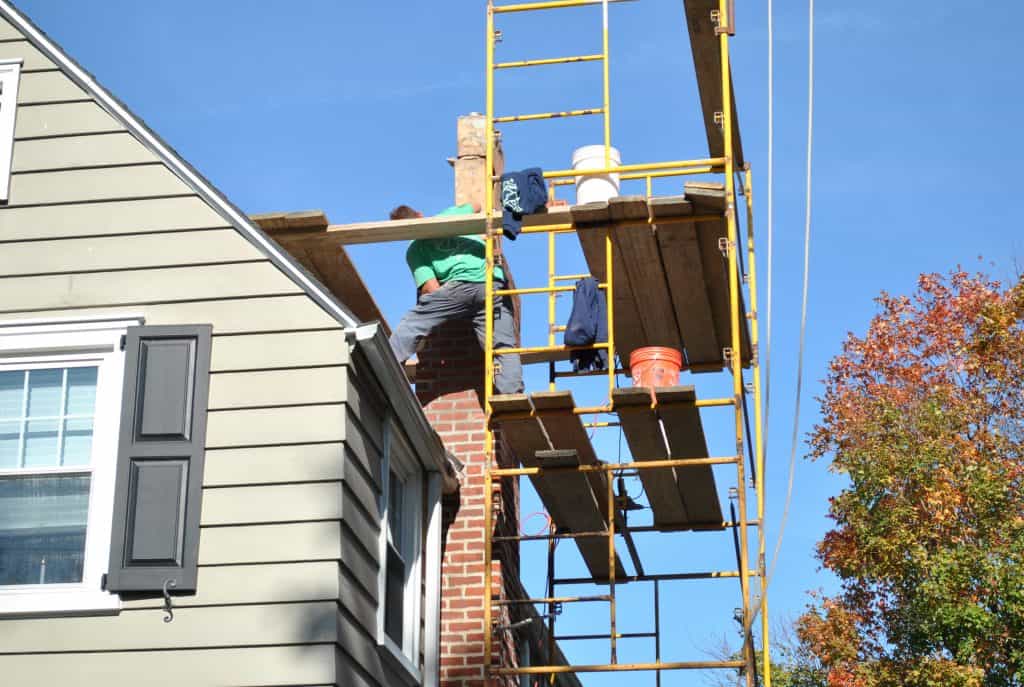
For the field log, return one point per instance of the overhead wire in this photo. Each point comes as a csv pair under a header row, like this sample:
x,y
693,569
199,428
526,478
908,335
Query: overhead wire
x,y
771,225
803,304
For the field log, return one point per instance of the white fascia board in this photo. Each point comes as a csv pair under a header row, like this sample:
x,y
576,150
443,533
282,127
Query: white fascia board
x,y
180,167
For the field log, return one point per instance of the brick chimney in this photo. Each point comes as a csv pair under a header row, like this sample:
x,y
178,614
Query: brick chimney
x,y
470,159
449,384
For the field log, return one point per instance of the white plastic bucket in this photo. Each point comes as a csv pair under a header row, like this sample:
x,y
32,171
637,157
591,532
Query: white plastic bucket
x,y
593,188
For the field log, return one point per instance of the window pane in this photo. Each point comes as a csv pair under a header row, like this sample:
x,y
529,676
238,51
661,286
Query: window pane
x,y
10,442
81,399
42,529
41,443
44,390
396,509
77,443
394,599
12,394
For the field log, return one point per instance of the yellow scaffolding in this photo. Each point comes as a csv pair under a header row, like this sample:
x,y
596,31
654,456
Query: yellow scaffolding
x,y
724,165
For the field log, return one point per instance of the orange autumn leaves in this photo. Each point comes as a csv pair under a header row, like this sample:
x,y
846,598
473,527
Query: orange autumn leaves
x,y
925,416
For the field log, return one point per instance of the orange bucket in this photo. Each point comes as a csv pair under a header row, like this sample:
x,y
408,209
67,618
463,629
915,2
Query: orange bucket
x,y
654,366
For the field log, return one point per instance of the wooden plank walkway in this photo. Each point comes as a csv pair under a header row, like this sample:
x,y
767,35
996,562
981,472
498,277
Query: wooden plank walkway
x,y
634,240
680,417
592,221
671,286
647,442
680,497
709,199
670,278
329,262
707,61
569,497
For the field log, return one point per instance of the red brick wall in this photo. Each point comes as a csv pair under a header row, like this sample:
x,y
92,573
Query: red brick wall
x,y
450,387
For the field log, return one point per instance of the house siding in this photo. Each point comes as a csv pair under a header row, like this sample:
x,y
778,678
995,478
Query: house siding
x,y
98,226
365,419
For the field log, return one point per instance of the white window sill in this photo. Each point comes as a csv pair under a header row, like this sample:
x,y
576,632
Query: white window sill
x,y
399,662
57,602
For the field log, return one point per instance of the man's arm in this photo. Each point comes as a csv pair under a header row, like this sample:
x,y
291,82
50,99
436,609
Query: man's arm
x,y
429,286
422,270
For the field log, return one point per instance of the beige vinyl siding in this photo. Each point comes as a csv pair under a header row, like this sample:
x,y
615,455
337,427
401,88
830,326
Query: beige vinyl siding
x,y
364,528
362,484
98,227
365,419
70,152
37,88
248,625
111,183
303,665
361,565
141,287
300,386
8,32
232,467
63,119
34,60
272,503
228,316
355,675
125,253
105,218
281,350
276,543
264,584
274,426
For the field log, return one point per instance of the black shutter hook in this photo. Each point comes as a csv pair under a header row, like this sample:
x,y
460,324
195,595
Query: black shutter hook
x,y
168,608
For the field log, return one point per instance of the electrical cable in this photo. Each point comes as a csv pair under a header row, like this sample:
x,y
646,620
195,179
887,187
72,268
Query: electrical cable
x,y
803,304
771,224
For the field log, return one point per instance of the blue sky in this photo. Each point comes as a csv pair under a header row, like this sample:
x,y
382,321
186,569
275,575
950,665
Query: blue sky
x,y
350,107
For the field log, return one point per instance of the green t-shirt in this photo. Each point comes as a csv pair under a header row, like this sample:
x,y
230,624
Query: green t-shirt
x,y
461,258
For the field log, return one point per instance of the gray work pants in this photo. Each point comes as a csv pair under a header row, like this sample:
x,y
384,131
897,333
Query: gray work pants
x,y
458,300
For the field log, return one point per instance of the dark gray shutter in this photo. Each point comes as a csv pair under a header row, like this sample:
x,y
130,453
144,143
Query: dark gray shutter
x,y
160,459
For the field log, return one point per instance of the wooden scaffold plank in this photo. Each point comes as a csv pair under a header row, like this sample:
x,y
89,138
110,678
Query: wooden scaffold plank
x,y
646,442
681,260
634,240
567,496
565,431
707,62
592,220
710,199
680,416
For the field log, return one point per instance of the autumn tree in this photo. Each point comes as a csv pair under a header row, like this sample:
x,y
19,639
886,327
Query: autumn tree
x,y
924,415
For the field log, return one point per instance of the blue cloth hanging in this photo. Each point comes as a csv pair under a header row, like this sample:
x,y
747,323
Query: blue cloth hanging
x,y
588,324
522,193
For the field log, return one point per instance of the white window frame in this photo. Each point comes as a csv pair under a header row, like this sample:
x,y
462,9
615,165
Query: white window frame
x,y
32,343
10,76
398,457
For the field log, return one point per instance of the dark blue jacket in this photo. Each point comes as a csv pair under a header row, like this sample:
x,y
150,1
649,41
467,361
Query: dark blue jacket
x,y
588,324
522,193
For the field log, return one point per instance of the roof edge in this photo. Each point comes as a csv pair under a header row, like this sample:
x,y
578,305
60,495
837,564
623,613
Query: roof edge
x,y
185,171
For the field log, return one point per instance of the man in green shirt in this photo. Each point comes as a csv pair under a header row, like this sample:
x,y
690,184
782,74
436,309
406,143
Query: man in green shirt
x,y
451,277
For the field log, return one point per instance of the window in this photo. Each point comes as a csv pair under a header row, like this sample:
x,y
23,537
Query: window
x,y
401,550
60,389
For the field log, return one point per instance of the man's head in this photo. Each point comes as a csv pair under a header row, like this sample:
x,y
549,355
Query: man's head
x,y
405,212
